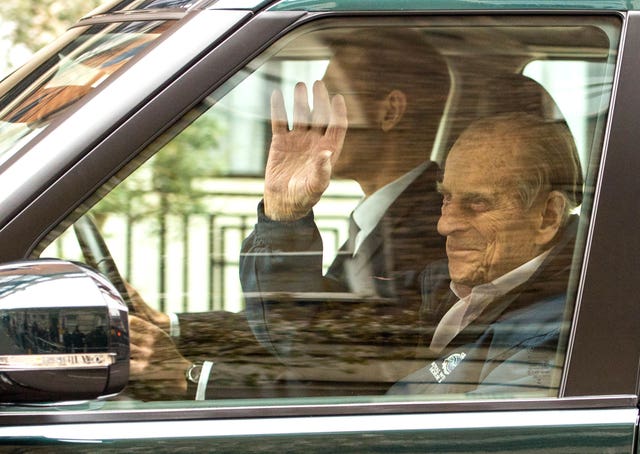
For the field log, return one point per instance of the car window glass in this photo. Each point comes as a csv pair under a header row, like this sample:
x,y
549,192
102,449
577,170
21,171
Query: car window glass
x,y
66,75
439,261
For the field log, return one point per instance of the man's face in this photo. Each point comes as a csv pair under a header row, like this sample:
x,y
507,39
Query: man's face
x,y
488,232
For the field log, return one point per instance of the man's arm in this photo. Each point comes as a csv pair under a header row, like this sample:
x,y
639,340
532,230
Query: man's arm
x,y
297,174
281,256
284,252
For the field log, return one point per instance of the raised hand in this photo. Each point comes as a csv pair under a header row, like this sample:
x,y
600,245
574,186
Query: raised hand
x,y
301,159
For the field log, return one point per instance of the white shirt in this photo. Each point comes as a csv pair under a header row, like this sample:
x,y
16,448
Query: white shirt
x,y
467,309
370,210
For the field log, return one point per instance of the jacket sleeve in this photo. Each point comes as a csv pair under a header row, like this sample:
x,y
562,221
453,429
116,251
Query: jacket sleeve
x,y
281,256
514,355
279,262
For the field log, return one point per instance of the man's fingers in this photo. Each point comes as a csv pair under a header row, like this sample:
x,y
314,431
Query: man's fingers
x,y
338,124
322,175
321,107
279,124
301,111
300,160
138,324
141,332
140,306
139,354
139,359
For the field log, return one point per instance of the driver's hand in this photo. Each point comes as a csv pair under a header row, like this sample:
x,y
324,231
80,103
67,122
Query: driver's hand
x,y
157,370
146,312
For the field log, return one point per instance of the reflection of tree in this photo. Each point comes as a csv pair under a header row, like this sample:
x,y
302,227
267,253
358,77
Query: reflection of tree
x,y
165,186
38,22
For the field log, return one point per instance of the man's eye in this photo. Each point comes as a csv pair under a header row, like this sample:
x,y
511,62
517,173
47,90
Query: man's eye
x,y
478,205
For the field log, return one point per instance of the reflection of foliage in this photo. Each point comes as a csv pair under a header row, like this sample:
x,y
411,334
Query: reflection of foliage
x,y
186,157
164,185
38,22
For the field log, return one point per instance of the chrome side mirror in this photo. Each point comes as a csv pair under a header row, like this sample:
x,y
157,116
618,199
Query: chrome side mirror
x,y
64,333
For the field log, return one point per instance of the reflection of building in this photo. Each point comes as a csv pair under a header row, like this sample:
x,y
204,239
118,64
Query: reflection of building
x,y
75,77
56,330
70,76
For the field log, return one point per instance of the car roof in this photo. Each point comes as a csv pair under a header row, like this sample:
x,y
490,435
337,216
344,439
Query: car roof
x,y
131,6
448,5
128,6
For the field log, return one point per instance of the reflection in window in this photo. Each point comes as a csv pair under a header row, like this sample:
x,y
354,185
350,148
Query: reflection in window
x,y
68,76
582,100
447,141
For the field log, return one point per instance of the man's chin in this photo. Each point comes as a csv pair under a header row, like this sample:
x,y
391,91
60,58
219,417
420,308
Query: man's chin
x,y
462,289
464,278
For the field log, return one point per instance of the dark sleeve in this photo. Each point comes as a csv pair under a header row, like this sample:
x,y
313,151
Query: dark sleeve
x,y
240,366
282,281
518,353
281,256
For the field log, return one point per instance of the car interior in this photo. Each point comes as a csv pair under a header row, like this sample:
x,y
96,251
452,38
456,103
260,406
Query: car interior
x,y
171,222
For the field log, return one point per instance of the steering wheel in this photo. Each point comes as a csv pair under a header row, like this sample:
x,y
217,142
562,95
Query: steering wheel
x,y
97,255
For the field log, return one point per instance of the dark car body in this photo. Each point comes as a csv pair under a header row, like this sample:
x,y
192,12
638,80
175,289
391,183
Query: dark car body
x,y
198,52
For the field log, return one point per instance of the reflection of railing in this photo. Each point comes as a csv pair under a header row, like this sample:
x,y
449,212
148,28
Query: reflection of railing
x,y
190,262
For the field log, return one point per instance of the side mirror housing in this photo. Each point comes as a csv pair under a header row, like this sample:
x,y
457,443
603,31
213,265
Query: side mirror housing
x,y
64,333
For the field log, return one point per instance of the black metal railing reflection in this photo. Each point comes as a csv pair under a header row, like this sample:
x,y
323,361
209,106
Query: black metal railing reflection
x,y
220,233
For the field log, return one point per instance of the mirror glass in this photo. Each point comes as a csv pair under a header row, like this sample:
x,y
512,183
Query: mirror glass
x,y
63,331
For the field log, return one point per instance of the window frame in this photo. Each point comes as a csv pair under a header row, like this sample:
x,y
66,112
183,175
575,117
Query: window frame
x,y
589,349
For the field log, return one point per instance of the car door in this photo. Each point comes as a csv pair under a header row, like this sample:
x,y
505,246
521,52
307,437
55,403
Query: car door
x,y
172,176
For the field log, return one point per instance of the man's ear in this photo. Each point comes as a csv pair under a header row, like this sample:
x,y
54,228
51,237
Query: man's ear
x,y
551,218
393,109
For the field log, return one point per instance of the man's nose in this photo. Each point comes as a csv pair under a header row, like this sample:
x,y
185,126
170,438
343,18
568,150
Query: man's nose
x,y
452,218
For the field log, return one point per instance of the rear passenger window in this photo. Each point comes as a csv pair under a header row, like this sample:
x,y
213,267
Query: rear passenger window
x,y
370,208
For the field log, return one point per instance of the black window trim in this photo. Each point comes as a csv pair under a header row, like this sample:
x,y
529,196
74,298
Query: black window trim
x,y
585,355
212,410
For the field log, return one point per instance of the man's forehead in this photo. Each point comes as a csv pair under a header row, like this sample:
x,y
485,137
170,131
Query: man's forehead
x,y
484,154
470,191
480,170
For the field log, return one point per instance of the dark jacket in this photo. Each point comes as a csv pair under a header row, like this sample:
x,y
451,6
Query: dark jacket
x,y
515,345
305,333
306,317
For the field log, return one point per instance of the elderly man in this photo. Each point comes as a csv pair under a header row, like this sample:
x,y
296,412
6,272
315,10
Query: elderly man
x,y
498,305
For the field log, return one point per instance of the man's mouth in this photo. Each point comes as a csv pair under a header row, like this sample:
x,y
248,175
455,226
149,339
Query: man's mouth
x,y
458,248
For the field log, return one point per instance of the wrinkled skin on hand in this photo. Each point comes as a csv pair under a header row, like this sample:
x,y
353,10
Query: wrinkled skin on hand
x,y
300,160
157,369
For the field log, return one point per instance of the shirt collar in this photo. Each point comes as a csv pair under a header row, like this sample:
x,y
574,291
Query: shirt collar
x,y
370,210
482,295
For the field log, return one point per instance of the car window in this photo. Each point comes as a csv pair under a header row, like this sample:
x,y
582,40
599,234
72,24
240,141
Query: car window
x,y
411,227
86,58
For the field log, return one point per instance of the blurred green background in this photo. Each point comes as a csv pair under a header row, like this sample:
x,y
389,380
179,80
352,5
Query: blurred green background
x,y
28,25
